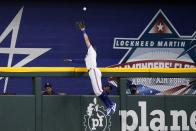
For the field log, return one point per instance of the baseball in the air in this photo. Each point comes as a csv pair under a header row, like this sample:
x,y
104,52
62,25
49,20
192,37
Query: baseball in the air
x,y
84,8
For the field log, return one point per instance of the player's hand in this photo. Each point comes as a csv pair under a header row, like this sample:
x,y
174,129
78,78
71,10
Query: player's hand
x,y
81,25
68,60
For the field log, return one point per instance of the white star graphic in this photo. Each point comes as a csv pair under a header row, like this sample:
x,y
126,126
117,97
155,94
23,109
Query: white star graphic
x,y
160,27
32,53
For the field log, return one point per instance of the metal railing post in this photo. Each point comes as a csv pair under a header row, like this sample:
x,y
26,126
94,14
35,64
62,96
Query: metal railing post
x,y
38,103
123,102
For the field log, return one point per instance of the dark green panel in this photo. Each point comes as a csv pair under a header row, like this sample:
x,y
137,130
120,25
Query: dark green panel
x,y
98,120
115,119
17,113
70,113
38,103
149,102
186,103
61,113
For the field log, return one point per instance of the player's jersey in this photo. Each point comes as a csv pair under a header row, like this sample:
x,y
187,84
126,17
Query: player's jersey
x,y
90,58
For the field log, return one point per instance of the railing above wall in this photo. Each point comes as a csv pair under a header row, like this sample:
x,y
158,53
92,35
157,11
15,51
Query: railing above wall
x,y
107,72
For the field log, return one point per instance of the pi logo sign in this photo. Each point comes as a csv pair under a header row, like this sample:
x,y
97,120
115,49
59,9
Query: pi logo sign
x,y
95,118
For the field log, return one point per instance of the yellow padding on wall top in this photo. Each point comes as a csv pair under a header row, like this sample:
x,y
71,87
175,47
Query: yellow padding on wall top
x,y
74,69
37,69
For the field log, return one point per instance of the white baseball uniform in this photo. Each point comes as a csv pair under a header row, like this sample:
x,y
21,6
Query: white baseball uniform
x,y
94,72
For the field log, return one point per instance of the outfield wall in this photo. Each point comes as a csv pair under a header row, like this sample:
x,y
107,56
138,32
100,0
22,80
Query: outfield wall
x,y
69,113
86,113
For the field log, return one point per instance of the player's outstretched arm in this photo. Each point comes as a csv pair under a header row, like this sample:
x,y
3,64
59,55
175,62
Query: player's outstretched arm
x,y
86,38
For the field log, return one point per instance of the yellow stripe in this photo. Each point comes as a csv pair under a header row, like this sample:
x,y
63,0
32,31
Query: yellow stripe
x,y
37,69
73,69
156,70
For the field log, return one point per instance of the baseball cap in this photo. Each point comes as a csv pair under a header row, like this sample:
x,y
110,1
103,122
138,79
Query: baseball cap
x,y
47,84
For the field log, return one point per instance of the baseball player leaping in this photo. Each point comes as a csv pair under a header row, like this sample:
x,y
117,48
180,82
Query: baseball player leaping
x,y
94,73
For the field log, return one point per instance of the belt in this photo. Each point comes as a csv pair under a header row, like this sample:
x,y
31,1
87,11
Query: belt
x,y
89,69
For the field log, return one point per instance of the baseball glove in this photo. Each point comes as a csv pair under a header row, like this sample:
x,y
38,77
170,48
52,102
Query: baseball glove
x,y
81,25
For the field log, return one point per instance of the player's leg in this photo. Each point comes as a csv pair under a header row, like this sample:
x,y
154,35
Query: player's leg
x,y
96,82
95,76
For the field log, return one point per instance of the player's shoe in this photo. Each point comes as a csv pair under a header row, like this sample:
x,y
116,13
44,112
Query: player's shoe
x,y
108,111
113,109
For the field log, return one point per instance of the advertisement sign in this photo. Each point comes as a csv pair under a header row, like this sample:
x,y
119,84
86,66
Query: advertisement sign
x,y
159,45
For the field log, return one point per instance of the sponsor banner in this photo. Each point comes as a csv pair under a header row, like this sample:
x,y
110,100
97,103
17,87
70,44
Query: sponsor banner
x,y
156,64
163,113
160,86
95,117
159,113
160,45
